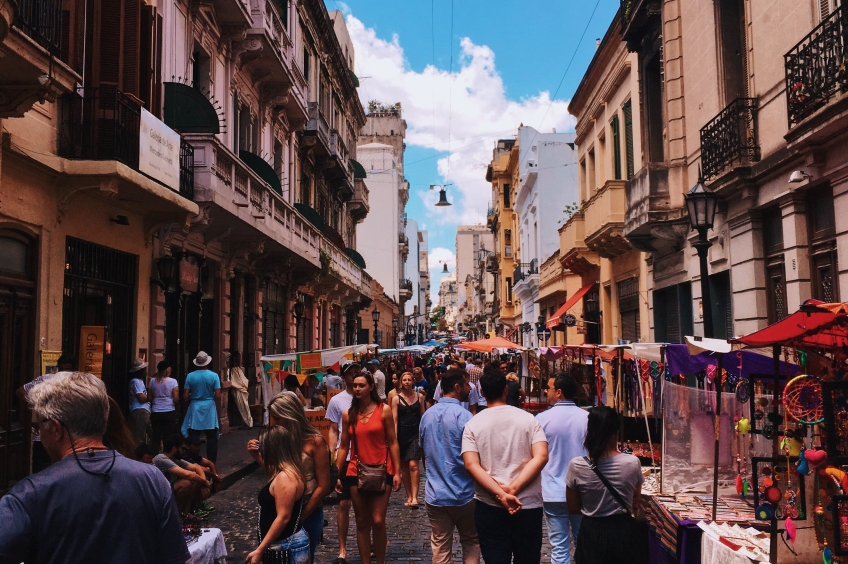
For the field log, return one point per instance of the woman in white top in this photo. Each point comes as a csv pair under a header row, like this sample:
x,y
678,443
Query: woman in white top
x,y
606,488
164,395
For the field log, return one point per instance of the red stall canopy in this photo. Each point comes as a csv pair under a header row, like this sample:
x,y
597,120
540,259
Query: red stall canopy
x,y
814,325
556,318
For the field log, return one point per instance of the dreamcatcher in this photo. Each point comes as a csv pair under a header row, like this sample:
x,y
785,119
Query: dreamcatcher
x,y
803,400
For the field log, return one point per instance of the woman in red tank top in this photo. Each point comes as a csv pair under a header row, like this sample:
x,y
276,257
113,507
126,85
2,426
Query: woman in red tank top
x,y
370,421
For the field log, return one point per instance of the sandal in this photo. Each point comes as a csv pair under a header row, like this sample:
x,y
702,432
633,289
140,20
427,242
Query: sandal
x,y
339,560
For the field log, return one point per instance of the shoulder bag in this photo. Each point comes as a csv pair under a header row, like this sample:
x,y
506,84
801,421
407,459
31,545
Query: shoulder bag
x,y
370,478
283,550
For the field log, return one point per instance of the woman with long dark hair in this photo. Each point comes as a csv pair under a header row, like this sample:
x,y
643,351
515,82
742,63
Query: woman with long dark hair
x,y
286,410
281,500
368,431
606,488
407,409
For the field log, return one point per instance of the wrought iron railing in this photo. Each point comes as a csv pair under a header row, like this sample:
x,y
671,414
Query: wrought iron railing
x,y
186,169
815,67
42,20
730,138
101,124
525,270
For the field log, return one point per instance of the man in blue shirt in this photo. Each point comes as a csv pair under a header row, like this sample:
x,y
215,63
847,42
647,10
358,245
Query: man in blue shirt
x,y
449,492
565,427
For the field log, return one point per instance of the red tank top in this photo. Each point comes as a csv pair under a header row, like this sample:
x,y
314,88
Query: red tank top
x,y
371,440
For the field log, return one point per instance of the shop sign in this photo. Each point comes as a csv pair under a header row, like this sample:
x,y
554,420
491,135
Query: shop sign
x,y
159,151
92,347
50,361
309,361
316,417
189,276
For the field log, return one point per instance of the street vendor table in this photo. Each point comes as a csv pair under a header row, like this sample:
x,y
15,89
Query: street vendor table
x,y
208,548
672,540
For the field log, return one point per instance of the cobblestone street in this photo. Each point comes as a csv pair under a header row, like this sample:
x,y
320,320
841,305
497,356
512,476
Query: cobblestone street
x,y
237,513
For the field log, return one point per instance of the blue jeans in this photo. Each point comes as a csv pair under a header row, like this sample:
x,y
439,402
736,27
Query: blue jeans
x,y
559,522
297,545
314,527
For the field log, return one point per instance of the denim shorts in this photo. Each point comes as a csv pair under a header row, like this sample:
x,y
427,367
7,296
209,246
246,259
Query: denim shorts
x,y
298,546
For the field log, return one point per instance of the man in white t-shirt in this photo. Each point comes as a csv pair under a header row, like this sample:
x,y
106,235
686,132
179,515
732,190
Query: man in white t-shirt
x,y
379,378
504,449
335,411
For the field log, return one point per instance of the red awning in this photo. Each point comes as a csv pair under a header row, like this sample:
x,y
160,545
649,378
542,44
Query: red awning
x,y
815,325
556,318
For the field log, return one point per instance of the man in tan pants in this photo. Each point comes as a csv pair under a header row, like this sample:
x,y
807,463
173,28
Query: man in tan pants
x,y
449,492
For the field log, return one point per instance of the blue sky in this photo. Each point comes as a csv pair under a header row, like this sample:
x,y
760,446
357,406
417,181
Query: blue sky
x,y
508,59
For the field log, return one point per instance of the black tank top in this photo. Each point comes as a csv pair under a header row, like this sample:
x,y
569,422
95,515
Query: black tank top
x,y
269,512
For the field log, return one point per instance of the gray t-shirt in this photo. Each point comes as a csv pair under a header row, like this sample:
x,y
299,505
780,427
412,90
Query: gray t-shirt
x,y
165,464
623,472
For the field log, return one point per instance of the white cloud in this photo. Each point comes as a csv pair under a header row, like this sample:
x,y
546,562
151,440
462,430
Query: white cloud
x,y
470,102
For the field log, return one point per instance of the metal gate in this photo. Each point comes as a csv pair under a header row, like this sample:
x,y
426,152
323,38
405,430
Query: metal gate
x,y
100,290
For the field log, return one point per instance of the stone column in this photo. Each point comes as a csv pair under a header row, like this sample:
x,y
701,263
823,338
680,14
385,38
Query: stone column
x,y
748,273
796,250
224,341
840,210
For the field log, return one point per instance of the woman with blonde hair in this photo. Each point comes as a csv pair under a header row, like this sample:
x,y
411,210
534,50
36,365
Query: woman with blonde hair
x,y
285,410
281,534
407,409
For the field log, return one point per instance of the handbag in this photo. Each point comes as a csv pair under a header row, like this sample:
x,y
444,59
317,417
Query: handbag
x,y
639,528
370,478
283,553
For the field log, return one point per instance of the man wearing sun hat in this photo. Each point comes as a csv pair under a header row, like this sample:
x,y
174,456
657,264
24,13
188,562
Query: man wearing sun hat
x,y
203,391
139,417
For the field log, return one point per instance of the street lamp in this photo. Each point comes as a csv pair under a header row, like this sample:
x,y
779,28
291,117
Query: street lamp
x,y
167,267
701,204
394,330
443,195
375,316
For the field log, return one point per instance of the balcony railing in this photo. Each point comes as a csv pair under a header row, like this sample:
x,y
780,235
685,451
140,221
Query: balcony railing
x,y
525,270
100,124
186,169
730,138
346,270
815,67
42,21
318,124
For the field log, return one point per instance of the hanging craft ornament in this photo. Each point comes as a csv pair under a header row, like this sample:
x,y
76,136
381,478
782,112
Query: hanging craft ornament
x,y
742,392
802,400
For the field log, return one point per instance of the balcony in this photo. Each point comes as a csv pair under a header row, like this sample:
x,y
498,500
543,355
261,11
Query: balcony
x,y
343,269
635,16
268,49
341,173
730,138
405,290
403,245
604,220
491,218
232,12
103,124
492,264
815,69
30,72
574,255
317,132
651,223
236,191
358,205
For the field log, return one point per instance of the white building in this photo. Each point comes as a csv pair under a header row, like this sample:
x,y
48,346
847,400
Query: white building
x,y
383,241
470,241
448,298
548,183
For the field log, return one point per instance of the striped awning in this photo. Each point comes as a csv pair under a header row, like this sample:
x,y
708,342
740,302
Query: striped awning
x,y
556,318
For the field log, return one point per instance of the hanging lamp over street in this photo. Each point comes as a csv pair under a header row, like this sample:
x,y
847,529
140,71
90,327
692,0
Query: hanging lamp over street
x,y
443,198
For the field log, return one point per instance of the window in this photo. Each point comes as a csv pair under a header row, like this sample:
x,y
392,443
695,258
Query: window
x,y
274,318
306,63
628,307
506,196
507,242
775,273
590,174
509,290
823,263
13,256
673,313
616,147
283,9
652,106
628,138
304,328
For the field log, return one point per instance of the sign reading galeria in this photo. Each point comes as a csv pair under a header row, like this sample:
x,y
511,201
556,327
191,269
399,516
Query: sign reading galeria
x,y
159,151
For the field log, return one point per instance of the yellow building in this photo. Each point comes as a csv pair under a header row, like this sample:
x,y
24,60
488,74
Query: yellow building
x,y
500,220
591,241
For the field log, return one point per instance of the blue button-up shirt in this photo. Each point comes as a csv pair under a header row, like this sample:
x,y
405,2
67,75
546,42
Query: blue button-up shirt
x,y
565,427
448,482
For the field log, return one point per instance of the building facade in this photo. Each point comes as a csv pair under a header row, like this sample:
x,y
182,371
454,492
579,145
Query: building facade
x,y
449,300
165,193
472,243
547,183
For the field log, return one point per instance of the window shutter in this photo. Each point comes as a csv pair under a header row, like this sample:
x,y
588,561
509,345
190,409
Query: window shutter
x,y
131,45
628,139
110,41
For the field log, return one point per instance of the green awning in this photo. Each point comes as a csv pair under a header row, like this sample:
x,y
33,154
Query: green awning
x,y
358,169
355,79
187,110
356,257
265,171
311,215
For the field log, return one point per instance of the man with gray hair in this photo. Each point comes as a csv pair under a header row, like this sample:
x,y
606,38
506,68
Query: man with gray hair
x,y
91,504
